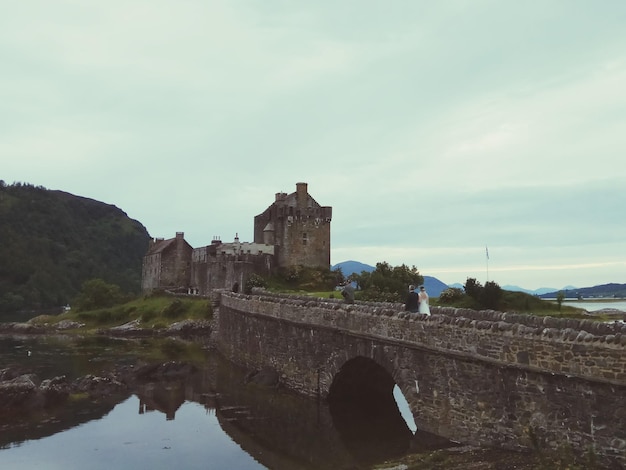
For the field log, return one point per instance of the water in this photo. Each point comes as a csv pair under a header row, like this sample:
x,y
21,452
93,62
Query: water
x,y
595,305
208,420
125,439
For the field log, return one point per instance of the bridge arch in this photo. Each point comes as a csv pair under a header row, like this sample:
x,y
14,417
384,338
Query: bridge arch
x,y
364,411
361,376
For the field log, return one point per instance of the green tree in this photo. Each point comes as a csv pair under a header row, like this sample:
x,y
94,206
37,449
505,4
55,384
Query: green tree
x,y
98,294
473,288
491,295
387,283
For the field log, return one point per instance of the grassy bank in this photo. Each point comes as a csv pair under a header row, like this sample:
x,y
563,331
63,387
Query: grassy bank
x,y
154,311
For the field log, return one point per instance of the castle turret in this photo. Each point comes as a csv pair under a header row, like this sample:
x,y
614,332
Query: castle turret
x,y
298,227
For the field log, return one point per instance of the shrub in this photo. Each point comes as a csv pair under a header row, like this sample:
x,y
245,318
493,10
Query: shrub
x,y
254,281
104,316
451,295
147,316
98,294
174,310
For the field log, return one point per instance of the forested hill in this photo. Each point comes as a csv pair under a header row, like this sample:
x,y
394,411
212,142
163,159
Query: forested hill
x,y
52,241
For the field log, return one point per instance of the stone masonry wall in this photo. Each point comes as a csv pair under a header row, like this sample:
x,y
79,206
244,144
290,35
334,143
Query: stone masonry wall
x,y
583,348
487,378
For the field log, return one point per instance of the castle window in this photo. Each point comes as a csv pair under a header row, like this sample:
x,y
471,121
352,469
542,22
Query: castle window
x,y
304,238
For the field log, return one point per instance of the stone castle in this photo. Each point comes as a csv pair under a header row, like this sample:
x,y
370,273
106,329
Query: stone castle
x,y
293,231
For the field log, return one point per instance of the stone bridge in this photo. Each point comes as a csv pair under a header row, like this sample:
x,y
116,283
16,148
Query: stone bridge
x,y
477,377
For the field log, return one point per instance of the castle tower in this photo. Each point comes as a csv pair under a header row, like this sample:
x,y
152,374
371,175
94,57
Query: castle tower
x,y
298,227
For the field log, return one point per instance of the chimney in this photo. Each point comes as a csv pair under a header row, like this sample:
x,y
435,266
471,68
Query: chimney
x,y
301,194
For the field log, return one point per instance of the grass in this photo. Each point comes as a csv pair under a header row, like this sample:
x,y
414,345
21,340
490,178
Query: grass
x,y
154,311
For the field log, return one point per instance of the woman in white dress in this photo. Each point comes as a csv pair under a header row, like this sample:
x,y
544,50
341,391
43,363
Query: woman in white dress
x,y
423,297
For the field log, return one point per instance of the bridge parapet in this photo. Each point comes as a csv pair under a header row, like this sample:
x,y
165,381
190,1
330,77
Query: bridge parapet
x,y
582,348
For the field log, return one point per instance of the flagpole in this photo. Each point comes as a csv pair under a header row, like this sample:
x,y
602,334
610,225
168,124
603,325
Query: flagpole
x,y
487,261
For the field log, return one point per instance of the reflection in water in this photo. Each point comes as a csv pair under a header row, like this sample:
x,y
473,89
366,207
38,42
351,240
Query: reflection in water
x,y
365,413
123,439
206,418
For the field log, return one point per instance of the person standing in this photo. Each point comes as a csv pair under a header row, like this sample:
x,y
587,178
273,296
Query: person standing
x,y
348,292
423,299
412,300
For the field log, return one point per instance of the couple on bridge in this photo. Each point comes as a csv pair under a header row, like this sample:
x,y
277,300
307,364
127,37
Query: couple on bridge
x,y
417,302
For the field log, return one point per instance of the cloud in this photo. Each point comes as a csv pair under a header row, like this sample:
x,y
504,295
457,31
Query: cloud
x,y
431,128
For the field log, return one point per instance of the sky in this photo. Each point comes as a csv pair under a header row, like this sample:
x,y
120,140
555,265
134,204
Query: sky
x,y
470,139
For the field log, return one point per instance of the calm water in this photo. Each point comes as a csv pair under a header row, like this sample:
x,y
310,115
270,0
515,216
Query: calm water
x,y
125,439
210,420
593,305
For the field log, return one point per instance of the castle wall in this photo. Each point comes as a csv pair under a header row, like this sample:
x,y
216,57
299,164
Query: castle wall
x,y
219,269
167,264
305,240
151,272
294,230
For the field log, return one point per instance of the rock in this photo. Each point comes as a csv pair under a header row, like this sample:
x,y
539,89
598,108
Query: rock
x,y
68,325
55,391
98,386
190,327
18,393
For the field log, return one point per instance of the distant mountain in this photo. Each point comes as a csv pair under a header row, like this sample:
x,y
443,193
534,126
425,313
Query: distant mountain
x,y
541,290
602,291
352,267
433,286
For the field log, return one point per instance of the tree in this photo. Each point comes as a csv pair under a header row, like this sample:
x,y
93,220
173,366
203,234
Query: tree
x,y
387,283
98,294
473,288
491,295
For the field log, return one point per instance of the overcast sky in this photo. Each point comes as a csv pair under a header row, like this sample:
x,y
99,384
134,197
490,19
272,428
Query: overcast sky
x,y
435,129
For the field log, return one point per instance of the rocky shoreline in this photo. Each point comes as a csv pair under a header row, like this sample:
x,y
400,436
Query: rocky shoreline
x,y
23,392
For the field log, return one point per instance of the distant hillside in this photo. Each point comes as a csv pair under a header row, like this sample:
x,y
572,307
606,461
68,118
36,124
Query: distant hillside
x,y
351,267
52,241
601,291
540,291
433,286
